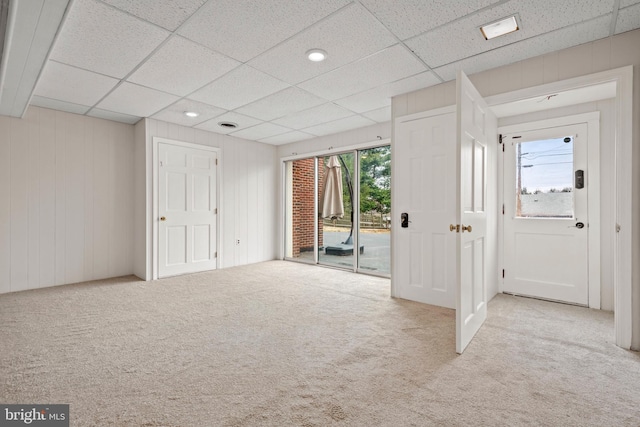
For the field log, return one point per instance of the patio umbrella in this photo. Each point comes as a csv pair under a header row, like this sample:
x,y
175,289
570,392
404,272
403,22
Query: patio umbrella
x,y
332,203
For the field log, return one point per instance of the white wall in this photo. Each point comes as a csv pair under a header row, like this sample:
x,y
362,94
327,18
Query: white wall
x,y
246,202
66,200
601,55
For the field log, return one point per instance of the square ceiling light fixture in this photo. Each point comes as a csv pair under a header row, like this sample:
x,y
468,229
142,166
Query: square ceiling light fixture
x,y
499,28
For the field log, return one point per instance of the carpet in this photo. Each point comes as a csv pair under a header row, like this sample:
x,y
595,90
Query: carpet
x,y
287,344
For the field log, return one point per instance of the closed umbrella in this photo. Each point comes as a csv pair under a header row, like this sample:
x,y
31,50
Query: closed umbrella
x,y
332,203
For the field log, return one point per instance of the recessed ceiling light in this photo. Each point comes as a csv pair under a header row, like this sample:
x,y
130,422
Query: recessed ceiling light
x,y
499,28
191,114
316,55
229,125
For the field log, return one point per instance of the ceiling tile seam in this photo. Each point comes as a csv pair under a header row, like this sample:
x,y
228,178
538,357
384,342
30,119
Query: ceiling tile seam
x,y
614,17
400,41
22,74
305,29
67,102
458,19
82,69
523,40
124,79
260,124
186,97
117,9
385,84
46,59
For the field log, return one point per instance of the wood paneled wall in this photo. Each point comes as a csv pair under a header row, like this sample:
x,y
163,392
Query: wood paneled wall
x,y
66,199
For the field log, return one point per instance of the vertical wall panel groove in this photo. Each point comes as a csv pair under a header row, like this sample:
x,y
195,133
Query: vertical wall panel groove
x,y
55,169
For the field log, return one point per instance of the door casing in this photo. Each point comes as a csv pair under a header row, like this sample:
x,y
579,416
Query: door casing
x,y
592,120
154,214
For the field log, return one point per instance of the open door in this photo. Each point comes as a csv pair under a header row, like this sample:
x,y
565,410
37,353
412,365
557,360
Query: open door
x,y
476,127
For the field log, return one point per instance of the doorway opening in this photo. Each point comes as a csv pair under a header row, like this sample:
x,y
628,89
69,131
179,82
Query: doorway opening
x,y
338,210
548,232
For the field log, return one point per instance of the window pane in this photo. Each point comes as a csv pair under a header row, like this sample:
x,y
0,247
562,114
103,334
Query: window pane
x,y
375,209
544,178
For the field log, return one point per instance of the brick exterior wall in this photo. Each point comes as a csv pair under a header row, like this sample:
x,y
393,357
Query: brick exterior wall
x,y
304,213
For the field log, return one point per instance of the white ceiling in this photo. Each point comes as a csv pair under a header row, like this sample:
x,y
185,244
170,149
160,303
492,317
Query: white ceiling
x,y
244,60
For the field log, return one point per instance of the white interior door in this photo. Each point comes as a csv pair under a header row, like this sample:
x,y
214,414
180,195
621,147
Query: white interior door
x,y
425,184
546,215
477,127
187,209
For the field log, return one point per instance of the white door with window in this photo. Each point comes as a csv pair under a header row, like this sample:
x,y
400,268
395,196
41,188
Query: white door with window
x,y
546,218
187,210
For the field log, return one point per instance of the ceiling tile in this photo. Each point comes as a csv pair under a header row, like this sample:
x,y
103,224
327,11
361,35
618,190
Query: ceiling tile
x,y
364,33
280,104
380,115
384,67
463,38
166,70
567,37
286,138
239,87
261,131
242,29
67,83
241,120
314,116
627,3
175,113
381,96
116,117
135,100
628,19
341,125
55,104
99,38
407,18
168,14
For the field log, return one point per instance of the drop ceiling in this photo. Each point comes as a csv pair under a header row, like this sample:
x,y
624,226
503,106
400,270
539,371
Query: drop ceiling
x,y
244,61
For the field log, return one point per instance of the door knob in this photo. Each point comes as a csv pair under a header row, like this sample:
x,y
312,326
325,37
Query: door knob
x,y
163,218
467,228
455,227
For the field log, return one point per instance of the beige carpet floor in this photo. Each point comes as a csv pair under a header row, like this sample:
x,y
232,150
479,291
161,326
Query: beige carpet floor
x,y
285,344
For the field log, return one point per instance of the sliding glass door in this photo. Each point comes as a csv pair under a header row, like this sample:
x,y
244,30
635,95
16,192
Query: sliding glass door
x,y
337,210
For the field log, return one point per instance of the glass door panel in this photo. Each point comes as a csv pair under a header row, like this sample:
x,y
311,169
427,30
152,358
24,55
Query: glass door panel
x,y
335,201
375,207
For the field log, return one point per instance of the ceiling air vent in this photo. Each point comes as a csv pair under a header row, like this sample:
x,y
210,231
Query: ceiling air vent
x,y
228,125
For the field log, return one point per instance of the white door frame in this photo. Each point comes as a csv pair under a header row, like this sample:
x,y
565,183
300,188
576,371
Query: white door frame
x,y
592,120
623,281
154,214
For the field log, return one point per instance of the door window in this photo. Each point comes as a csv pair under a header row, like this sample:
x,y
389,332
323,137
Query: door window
x,y
544,178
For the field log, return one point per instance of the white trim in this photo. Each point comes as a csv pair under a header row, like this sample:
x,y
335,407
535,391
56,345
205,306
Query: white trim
x,y
623,280
338,150
156,140
592,120
320,153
